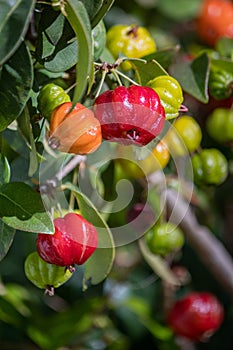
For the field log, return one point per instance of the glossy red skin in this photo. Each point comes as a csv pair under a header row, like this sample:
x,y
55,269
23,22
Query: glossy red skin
x,y
132,115
73,242
196,316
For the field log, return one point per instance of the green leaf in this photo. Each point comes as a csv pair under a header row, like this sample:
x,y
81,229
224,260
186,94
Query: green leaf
x,y
26,129
56,46
63,58
225,47
159,331
73,321
6,238
106,56
22,208
106,5
163,57
14,18
92,7
15,85
147,70
140,308
179,9
18,297
79,20
16,141
97,9
100,263
99,39
193,76
158,264
221,65
4,170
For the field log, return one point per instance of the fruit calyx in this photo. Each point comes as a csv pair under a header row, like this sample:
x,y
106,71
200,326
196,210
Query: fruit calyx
x,y
133,134
49,290
70,268
133,31
54,142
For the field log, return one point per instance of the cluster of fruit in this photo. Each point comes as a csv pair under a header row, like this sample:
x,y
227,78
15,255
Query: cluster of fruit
x,y
210,167
131,116
127,115
73,242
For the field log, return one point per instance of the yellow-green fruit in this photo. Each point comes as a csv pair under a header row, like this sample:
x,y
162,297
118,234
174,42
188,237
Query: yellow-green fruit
x,y
190,132
157,159
170,94
131,41
43,275
219,125
164,238
210,167
184,136
175,144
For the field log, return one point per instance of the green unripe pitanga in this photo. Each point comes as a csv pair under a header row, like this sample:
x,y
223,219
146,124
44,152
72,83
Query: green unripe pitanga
x,y
51,96
165,238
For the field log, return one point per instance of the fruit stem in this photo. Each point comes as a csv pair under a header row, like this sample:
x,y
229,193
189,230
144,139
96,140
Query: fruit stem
x,y
134,31
71,268
125,77
107,68
74,182
183,108
54,142
103,75
70,88
59,209
48,3
49,290
117,77
52,183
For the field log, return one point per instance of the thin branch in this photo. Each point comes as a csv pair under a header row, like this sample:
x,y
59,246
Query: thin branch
x,y
209,248
126,77
69,166
52,183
